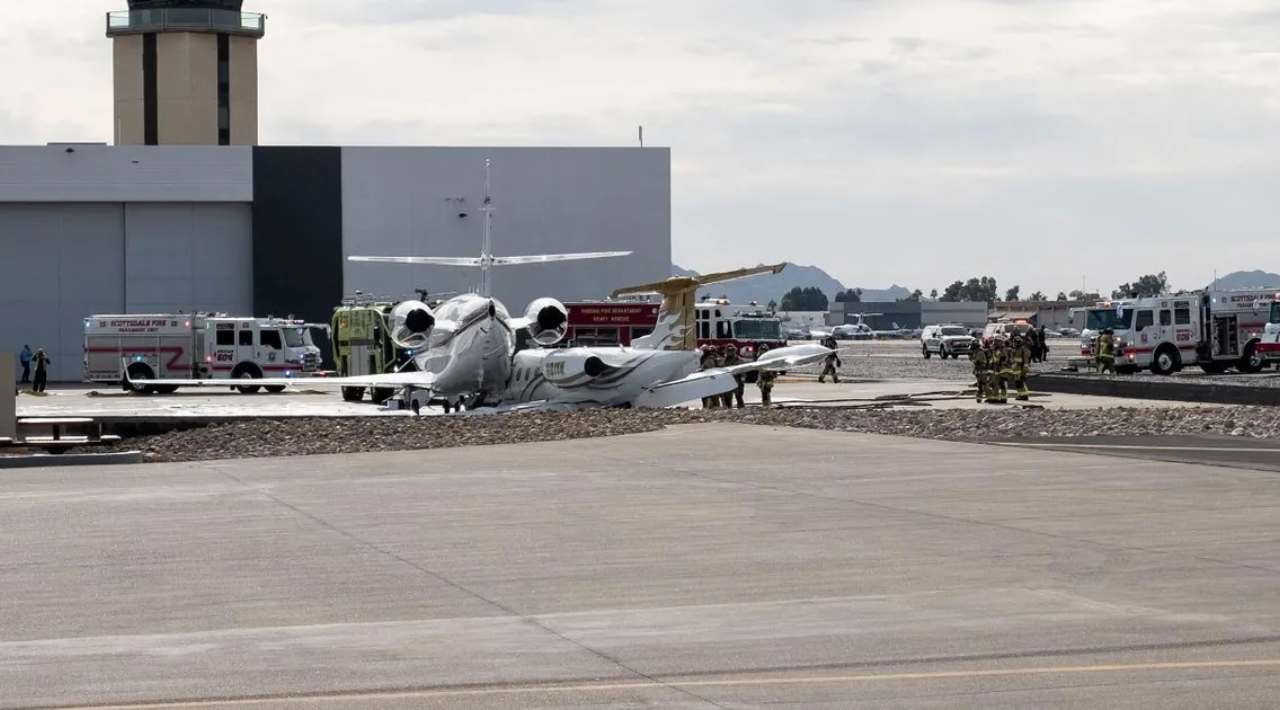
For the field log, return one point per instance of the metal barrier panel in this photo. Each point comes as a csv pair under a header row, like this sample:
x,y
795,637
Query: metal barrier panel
x,y
8,396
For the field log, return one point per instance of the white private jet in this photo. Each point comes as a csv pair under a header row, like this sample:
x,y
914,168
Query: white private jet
x,y
465,349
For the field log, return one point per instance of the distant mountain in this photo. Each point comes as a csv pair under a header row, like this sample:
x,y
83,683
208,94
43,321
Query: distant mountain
x,y
1248,279
770,287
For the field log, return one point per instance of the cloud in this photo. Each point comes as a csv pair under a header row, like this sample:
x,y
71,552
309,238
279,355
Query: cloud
x,y
1036,141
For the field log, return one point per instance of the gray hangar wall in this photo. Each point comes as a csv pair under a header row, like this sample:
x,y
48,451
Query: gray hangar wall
x,y
104,229
412,202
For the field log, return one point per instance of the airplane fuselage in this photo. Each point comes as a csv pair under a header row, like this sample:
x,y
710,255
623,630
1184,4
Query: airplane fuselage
x,y
475,357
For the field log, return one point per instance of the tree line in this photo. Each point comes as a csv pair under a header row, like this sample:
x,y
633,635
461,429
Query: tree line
x,y
975,289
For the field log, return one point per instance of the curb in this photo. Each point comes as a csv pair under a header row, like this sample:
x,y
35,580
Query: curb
x,y
1173,391
50,461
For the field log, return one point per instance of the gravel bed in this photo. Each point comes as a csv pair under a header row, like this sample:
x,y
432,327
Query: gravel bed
x,y
330,436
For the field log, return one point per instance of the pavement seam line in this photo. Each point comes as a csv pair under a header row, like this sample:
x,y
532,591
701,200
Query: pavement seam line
x,y
723,683
524,618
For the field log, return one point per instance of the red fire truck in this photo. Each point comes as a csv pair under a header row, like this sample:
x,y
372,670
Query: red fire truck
x,y
720,323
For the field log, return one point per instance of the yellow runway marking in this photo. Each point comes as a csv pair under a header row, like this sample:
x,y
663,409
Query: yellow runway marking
x,y
692,684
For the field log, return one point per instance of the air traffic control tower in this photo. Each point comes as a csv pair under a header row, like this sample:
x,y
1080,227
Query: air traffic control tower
x,y
186,72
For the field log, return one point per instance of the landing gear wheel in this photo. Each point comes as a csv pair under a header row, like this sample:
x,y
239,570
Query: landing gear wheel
x,y
352,394
166,389
1213,368
274,389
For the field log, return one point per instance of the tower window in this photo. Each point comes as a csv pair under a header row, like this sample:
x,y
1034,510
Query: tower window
x,y
224,90
150,107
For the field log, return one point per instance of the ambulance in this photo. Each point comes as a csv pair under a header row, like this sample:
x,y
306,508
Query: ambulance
x,y
196,346
1216,330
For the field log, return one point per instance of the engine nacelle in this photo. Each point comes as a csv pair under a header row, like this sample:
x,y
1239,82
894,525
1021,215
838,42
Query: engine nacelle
x,y
568,366
548,321
411,323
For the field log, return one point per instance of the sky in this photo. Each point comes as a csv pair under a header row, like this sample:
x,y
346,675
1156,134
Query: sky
x,y
1047,143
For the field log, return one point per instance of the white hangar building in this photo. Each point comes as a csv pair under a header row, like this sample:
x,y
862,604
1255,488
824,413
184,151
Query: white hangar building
x,y
266,231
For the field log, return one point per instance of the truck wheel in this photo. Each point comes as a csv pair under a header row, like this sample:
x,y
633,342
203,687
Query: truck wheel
x,y
247,372
274,389
927,354
140,371
352,394
382,394
1252,361
1165,361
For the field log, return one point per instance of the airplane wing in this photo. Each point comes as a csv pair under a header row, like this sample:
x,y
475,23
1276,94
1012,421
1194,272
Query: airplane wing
x,y
783,359
545,258
420,380
719,380
431,260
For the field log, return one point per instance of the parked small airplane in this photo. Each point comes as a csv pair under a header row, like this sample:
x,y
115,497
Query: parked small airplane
x,y
465,348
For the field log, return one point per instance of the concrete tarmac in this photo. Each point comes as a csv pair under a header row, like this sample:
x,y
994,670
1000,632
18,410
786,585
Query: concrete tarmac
x,y
698,567
114,405
1235,452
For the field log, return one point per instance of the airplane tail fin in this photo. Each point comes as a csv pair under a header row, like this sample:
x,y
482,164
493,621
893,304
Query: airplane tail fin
x,y
676,328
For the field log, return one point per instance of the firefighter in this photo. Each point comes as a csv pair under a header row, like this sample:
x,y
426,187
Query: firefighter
x,y
830,365
41,362
1020,365
998,373
730,359
980,356
765,382
709,362
1106,352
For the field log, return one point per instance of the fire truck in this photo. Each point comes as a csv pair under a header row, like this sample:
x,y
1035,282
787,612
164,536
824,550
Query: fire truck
x,y
1216,330
196,346
362,344
1270,345
719,323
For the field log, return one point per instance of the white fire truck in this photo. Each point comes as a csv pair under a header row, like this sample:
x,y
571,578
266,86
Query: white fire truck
x,y
1216,330
196,346
1270,345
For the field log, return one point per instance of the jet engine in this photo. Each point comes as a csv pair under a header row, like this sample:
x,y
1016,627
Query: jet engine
x,y
548,321
411,323
570,366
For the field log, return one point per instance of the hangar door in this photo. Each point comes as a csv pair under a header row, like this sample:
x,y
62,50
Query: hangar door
x,y
58,264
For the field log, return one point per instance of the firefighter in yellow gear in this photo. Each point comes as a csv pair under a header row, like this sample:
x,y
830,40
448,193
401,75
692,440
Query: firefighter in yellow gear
x,y
1020,365
765,382
708,362
728,398
1106,352
999,373
980,355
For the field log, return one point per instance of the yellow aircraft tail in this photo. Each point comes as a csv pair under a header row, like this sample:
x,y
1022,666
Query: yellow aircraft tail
x,y
677,321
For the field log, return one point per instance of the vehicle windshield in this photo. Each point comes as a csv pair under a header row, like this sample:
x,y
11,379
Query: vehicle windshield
x,y
1103,318
954,331
1275,313
757,329
294,337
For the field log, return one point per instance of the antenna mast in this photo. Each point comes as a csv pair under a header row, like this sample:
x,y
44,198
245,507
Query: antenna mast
x,y
486,249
